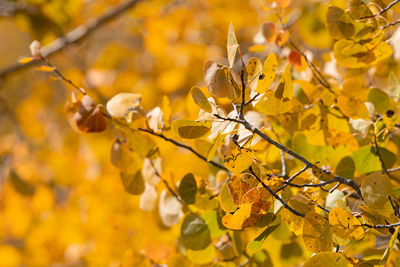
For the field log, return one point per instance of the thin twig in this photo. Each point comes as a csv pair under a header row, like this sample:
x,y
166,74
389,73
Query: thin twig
x,y
183,146
390,24
73,36
394,207
382,11
166,183
381,226
254,130
285,205
377,152
292,178
311,185
62,76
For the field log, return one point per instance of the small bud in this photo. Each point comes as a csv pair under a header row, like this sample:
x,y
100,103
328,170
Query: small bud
x,y
35,49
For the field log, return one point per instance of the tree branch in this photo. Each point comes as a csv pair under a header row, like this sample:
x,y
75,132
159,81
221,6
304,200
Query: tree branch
x,y
183,146
73,36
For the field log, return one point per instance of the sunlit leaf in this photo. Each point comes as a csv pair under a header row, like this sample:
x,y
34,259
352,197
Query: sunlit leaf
x,y
120,104
257,243
327,259
316,234
345,225
170,209
238,160
214,223
25,60
268,73
200,99
44,68
232,45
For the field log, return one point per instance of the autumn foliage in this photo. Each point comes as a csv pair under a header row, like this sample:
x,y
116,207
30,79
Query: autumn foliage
x,y
282,150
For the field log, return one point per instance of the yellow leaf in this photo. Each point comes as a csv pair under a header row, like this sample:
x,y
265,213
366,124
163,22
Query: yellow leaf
x,y
294,222
339,23
44,68
352,107
354,55
389,248
285,87
327,259
345,225
375,189
25,60
253,69
235,221
217,141
190,129
200,99
316,234
268,73
239,160
232,45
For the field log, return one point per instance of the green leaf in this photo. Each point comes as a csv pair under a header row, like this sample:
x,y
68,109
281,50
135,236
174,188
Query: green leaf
x,y
200,99
195,234
256,244
214,223
188,189
346,167
232,45
190,129
380,100
367,161
133,182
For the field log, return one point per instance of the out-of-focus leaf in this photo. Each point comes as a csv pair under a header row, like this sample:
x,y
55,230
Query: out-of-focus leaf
x,y
119,105
327,259
188,189
25,60
316,234
204,256
394,85
214,223
353,107
339,23
257,243
200,99
346,167
170,209
232,45
294,59
190,129
381,101
195,234
367,161
133,182
44,68
21,186
148,199
269,32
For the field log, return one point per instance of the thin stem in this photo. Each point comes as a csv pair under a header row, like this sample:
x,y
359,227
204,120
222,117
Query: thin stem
x,y
295,212
62,76
311,185
292,178
183,146
381,226
166,183
383,10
